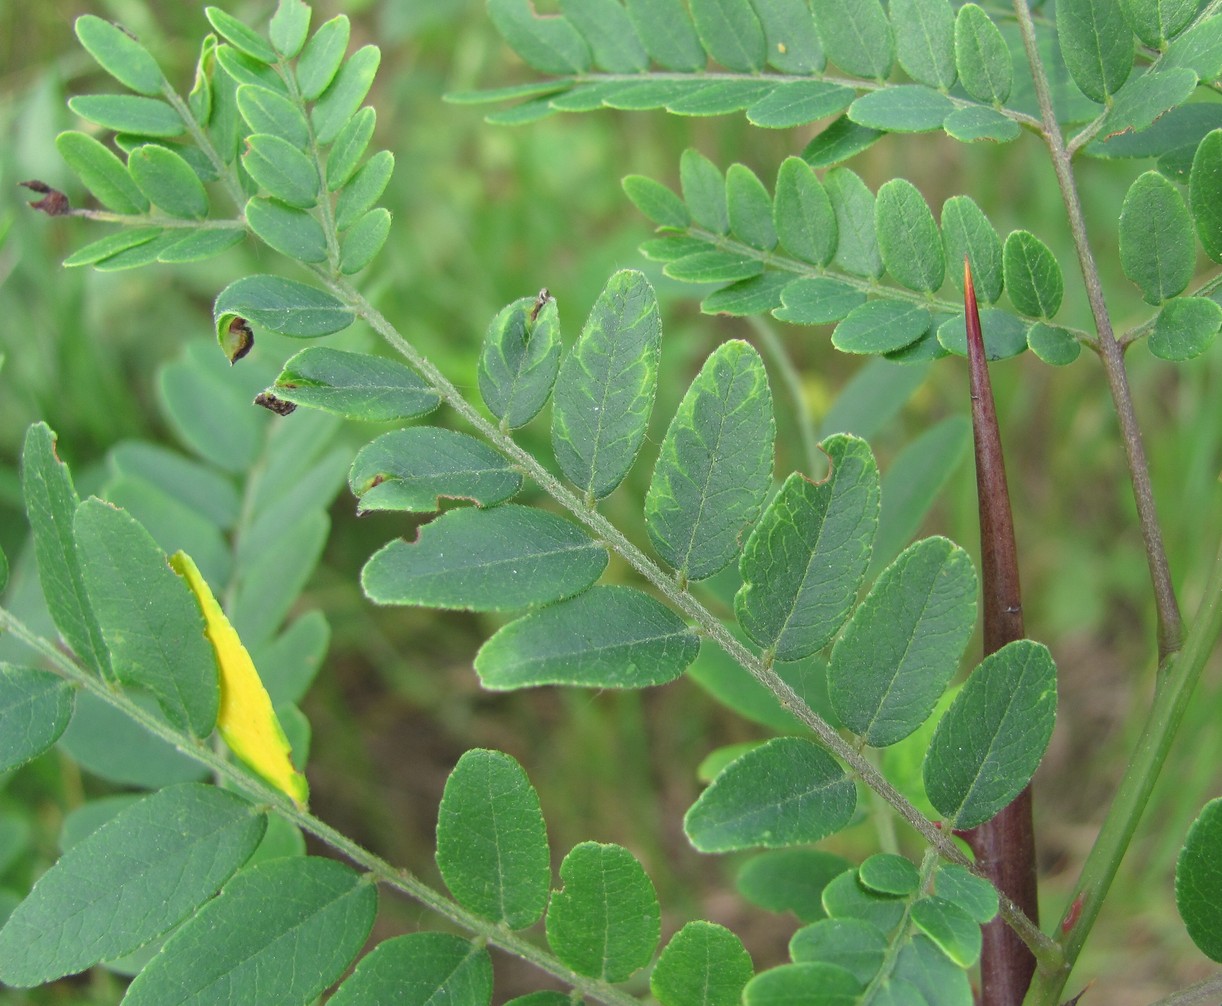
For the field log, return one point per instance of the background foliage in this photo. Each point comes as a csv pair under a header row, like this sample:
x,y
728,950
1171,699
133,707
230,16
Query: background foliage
x,y
486,215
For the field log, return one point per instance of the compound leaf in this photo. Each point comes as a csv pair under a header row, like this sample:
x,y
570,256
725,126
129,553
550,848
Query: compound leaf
x,y
1157,21
288,230
704,191
492,841
732,33
792,983
613,38
966,231
549,44
668,34
881,326
955,932
281,170
168,181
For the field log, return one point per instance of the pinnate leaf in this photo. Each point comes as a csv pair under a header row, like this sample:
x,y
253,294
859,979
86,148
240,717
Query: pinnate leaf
x,y
281,170
732,33
288,230
715,464
881,326
704,964
853,203
501,558
802,212
240,35
668,34
363,240
973,894
1198,881
605,637
888,873
792,43
975,122
798,102
168,181
354,385
492,841
613,38
321,58
270,112
657,202
838,142
805,560
903,643
365,189
282,305
788,791
128,882
1005,335
128,113
814,300
750,208
925,40
1144,99
549,44
414,469
101,172
1156,248
988,744
704,191
290,925
345,93
606,922
606,386
35,707
420,969
289,27
1033,276
903,108
1097,45
908,236
1052,344
966,231
150,623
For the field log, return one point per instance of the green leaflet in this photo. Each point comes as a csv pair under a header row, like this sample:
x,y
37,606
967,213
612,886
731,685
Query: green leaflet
x,y
855,945
365,189
112,245
974,895
606,922
922,966
838,142
150,621
902,108
288,230
704,191
120,55
101,172
715,464
817,301
282,305
128,113
128,882
549,44
657,202
968,125
1097,46
605,637
887,873
790,880
845,897
280,169
363,240
1156,248
1205,192
1144,99
505,557
856,36
420,968
925,40
955,932
414,469
613,38
349,147
704,964
291,924
168,182
35,707
792,42
354,385
985,68
1033,277
798,102
344,95
791,983
1185,328
289,27
853,203
991,739
1053,345
749,208
713,266
606,386
51,502
1198,881
805,560
788,791
903,644
1199,49
1005,335
755,295
322,56
520,359
1157,21
908,237
966,231
492,841
668,34
731,32
240,35
881,326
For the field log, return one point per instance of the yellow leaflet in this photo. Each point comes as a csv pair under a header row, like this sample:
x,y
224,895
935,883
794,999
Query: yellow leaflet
x,y
246,721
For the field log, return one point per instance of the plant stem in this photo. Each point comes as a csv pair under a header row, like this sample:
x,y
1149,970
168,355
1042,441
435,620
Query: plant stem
x,y
1170,628
1203,993
1043,947
1175,686
262,794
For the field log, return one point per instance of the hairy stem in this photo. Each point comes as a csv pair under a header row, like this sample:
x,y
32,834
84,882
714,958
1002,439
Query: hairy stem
x,y
1170,628
1004,845
262,794
1044,948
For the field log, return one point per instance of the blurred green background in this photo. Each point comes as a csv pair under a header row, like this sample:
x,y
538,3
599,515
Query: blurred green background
x,y
484,215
